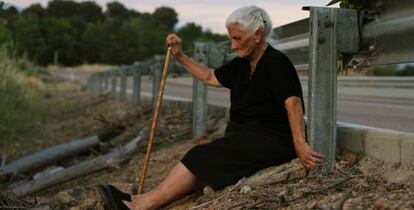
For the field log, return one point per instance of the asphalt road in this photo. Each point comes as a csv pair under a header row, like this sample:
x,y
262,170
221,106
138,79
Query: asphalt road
x,y
382,112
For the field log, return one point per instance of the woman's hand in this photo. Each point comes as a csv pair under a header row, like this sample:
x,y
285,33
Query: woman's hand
x,y
175,43
307,157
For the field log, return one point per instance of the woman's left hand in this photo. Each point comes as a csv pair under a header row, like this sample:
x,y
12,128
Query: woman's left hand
x,y
307,157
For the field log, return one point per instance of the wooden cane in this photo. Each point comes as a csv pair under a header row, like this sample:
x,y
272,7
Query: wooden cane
x,y
155,120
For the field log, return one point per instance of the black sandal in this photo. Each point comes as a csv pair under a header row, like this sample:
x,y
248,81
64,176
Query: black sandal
x,y
113,197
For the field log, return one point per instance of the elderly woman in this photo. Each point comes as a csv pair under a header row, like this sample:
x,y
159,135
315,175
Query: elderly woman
x,y
266,125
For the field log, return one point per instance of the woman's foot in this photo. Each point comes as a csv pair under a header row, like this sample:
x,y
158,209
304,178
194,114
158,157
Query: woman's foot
x,y
113,197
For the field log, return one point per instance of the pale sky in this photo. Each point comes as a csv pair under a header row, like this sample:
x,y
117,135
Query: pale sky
x,y
210,13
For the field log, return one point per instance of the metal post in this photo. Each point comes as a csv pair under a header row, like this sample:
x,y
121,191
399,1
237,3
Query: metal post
x,y
106,80
94,82
157,71
200,107
89,84
100,82
326,27
123,94
136,90
114,75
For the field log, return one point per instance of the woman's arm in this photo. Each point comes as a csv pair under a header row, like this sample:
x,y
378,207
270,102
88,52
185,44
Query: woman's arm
x,y
200,72
306,155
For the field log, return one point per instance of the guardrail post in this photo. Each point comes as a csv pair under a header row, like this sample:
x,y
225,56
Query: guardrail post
x,y
114,75
100,81
94,83
136,90
157,71
200,107
331,30
106,80
89,83
123,94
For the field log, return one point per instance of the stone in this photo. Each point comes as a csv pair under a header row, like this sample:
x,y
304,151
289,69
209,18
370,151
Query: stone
x,y
351,158
208,190
65,198
245,189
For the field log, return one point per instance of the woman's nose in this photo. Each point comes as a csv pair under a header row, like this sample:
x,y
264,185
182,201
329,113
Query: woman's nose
x,y
233,45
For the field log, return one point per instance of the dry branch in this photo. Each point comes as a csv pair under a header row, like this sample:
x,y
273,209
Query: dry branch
x,y
78,170
50,155
303,195
275,174
56,153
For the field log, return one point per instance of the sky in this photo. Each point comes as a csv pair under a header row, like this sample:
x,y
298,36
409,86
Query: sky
x,y
211,14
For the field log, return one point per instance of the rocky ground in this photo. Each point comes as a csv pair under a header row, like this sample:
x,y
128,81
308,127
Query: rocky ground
x,y
357,183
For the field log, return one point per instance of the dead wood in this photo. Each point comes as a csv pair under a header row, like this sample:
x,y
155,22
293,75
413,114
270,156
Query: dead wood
x,y
78,170
302,196
275,174
58,152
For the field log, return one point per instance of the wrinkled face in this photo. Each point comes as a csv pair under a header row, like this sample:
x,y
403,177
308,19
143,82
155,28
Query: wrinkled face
x,y
242,43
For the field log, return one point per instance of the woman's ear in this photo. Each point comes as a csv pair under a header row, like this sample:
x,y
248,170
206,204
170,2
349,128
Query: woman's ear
x,y
258,34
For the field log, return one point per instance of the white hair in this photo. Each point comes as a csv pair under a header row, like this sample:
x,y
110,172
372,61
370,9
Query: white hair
x,y
250,19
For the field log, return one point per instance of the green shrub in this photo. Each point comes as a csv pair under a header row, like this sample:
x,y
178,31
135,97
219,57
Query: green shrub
x,y
19,105
385,70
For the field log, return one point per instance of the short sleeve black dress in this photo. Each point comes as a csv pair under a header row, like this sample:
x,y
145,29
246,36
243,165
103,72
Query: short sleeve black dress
x,y
258,134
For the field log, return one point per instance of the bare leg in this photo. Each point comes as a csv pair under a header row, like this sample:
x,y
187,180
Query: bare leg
x,y
177,184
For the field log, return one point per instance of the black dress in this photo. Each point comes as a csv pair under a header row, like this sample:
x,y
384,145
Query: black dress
x,y
258,134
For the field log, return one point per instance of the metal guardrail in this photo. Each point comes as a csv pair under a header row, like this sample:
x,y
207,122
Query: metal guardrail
x,y
389,35
293,40
386,37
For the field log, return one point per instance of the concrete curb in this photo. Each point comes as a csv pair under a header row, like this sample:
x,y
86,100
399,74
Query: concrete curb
x,y
387,145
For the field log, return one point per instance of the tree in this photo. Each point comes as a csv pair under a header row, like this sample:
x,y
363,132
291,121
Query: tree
x,y
124,42
35,48
62,8
11,12
116,10
90,11
92,43
149,38
35,9
4,35
166,16
133,13
66,44
210,36
190,33
8,15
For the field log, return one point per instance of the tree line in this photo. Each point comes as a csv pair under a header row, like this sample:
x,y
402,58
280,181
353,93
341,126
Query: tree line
x,y
73,33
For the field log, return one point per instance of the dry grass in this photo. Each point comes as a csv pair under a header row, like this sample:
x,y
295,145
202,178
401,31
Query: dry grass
x,y
33,83
89,68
